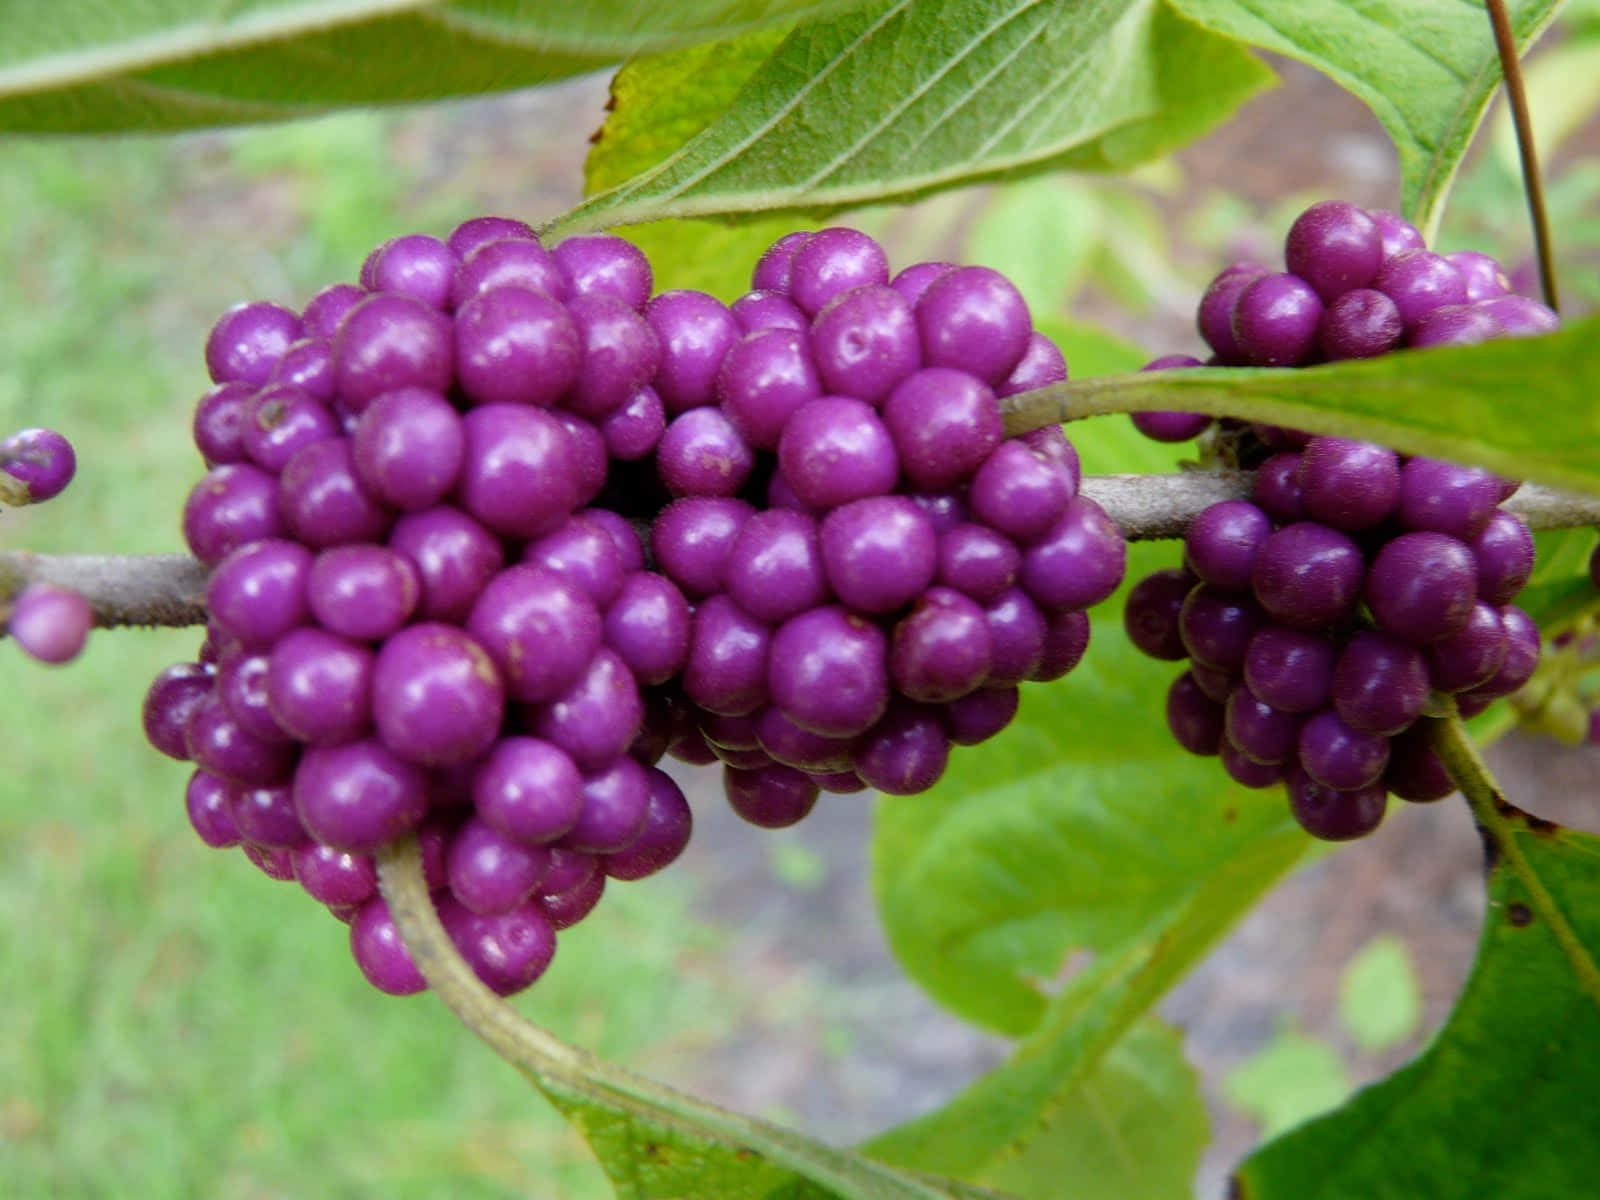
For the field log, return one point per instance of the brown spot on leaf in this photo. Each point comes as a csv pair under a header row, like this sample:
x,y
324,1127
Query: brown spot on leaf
x,y
1230,815
1519,914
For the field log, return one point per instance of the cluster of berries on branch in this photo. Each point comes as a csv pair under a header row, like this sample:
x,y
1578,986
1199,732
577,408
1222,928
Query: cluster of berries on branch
x,y
1322,618
495,531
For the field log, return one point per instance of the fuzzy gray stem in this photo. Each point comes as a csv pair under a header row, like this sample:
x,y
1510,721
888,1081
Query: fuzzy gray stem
x,y
169,589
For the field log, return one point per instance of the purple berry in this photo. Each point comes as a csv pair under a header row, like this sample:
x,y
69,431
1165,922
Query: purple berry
x,y
905,753
1398,234
864,342
1216,626
668,826
171,699
490,873
469,235
1445,498
1414,772
207,800
1334,247
941,649
978,561
507,951
507,262
1221,544
597,718
319,687
362,592
322,498
49,623
324,311
620,355
517,470
974,320
1469,657
1150,616
454,556
1421,586
945,423
246,343
1453,325
539,630
1021,637
1362,323
231,505
772,797
217,743
258,593
726,671
1333,816
1019,492
1290,669
1041,364
1263,734
763,380
528,789
418,266
774,568
437,699
648,626
1276,489
1485,278
388,342
691,540
1307,576
835,449
702,453
1380,684
1275,321
335,876
1419,281
1503,554
828,671
1196,721
380,952
1348,484
1066,638
1214,317
827,263
44,460
1079,561
218,425
758,310
696,333
879,552
977,717
516,346
1520,316
916,279
600,264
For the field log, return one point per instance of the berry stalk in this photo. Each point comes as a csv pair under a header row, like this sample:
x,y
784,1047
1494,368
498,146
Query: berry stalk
x,y
571,1070
1498,822
1505,41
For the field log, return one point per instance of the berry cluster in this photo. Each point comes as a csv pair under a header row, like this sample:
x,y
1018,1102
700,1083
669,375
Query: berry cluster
x,y
1322,616
895,567
431,607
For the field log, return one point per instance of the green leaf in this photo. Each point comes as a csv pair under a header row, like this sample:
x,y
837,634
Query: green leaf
x,y
1502,1103
1380,999
1427,68
1290,1080
915,95
1068,1116
1523,407
83,66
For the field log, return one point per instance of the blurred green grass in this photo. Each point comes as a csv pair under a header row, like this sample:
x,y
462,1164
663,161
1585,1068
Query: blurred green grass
x,y
173,1023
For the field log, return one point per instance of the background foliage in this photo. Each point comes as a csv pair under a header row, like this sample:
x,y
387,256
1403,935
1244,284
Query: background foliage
x,y
1082,840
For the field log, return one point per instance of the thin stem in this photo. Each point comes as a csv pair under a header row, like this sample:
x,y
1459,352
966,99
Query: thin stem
x,y
1505,41
550,1061
1500,823
169,589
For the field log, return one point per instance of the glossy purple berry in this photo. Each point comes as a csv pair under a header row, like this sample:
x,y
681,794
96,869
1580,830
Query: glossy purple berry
x,y
775,267
1398,234
207,800
978,561
42,460
978,716
829,262
918,278
1221,544
258,593
1421,586
1362,323
828,671
600,264
864,342
1290,669
319,687
454,556
771,797
941,649
620,355
1307,575
321,316
1079,561
774,568
1380,684
1519,316
691,540
696,333
246,343
516,346
1276,489
170,700
539,630
1503,554
1333,816
1414,772
335,876
597,718
218,424
517,470
380,952
415,265
1419,281
515,261
878,553
762,309
1020,492
322,498
528,789
1446,498
702,453
905,753
388,342
668,825
491,873
1261,733
1066,638
726,671
974,320
49,623
1334,247
1041,364
1275,321
1196,721
364,592
1150,616
1348,484
1217,624
1453,325
1469,657
648,625
437,699
232,504
835,449
763,379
